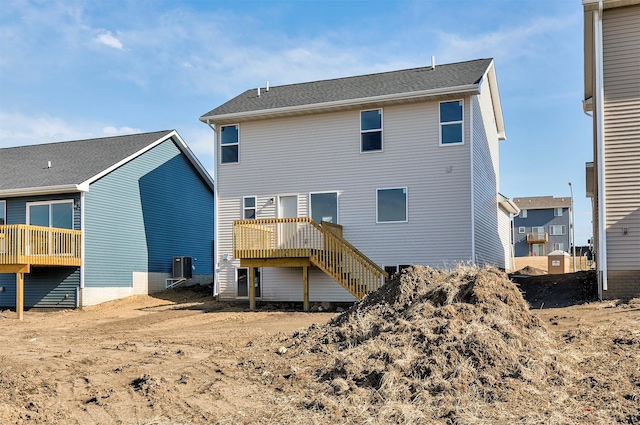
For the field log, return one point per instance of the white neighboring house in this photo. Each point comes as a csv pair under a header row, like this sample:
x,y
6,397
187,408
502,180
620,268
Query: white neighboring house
x,y
403,165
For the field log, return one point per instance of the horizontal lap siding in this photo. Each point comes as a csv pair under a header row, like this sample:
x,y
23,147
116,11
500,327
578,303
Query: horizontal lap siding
x,y
491,247
621,38
142,214
320,153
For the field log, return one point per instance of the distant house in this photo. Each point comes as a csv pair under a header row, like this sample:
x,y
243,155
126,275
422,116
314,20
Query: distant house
x,y
324,187
89,221
612,99
542,226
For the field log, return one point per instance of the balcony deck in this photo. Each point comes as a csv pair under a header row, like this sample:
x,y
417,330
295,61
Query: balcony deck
x,y
22,244
537,237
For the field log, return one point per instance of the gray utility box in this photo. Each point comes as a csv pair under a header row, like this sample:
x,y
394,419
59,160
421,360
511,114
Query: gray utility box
x,y
182,268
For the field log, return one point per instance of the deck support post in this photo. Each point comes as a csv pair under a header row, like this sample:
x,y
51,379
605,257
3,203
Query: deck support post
x,y
305,288
252,288
20,295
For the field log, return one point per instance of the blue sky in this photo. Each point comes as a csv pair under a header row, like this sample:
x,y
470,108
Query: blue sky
x,y
81,69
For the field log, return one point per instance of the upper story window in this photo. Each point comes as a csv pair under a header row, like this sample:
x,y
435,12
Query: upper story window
x,y
249,208
557,230
371,130
58,214
523,213
537,229
391,205
521,229
324,207
229,144
3,212
451,120
557,212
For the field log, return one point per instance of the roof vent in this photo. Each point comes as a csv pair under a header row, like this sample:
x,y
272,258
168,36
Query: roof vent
x,y
433,62
258,91
267,85
48,164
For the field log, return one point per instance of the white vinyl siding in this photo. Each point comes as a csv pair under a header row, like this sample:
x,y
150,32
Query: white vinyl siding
x,y
621,64
492,240
438,197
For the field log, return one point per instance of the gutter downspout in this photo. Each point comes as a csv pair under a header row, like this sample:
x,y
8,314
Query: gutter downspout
x,y
599,117
82,250
216,281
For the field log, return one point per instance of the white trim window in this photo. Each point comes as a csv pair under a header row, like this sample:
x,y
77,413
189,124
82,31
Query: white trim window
x,y
451,122
392,205
242,280
249,208
391,271
58,214
522,229
523,213
371,130
537,229
557,212
558,246
229,144
324,207
557,229
3,212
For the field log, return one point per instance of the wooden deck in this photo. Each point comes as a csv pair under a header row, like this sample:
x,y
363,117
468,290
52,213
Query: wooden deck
x,y
301,242
23,246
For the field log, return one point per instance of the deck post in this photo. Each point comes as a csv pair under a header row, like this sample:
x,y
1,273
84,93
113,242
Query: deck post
x,y
252,288
20,295
305,288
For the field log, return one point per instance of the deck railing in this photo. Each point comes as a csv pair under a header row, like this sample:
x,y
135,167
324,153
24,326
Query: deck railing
x,y
536,237
39,246
303,237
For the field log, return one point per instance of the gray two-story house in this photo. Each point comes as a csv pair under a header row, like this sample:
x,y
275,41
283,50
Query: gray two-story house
x,y
542,226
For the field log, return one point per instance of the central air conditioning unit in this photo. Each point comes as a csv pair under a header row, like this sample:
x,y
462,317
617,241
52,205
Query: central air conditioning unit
x,y
182,268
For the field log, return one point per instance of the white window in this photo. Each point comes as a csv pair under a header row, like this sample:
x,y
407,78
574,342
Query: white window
x,y
58,214
249,208
558,246
391,270
371,130
538,249
557,212
229,144
451,122
324,207
523,213
391,205
557,230
3,212
521,229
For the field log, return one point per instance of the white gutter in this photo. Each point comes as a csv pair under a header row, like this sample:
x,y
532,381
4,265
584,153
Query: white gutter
x,y
468,88
43,190
599,116
216,281
473,201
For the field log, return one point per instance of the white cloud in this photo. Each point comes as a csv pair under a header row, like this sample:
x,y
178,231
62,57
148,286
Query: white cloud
x,y
109,40
113,131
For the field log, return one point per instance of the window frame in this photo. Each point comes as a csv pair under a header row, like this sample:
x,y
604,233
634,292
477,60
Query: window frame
x,y
223,145
442,124
3,211
562,227
337,217
523,213
406,205
258,275
522,229
50,203
245,208
533,229
380,130
556,246
556,210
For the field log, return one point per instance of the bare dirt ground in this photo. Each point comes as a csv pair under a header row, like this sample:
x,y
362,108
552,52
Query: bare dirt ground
x,y
434,348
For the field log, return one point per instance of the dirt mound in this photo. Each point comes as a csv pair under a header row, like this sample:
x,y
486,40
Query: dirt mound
x,y
530,271
433,345
558,290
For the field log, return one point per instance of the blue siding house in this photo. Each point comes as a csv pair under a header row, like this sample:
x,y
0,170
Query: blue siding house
x,y
542,226
88,221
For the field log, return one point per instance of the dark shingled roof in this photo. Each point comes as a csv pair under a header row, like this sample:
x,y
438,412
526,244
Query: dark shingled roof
x,y
542,202
358,87
72,162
